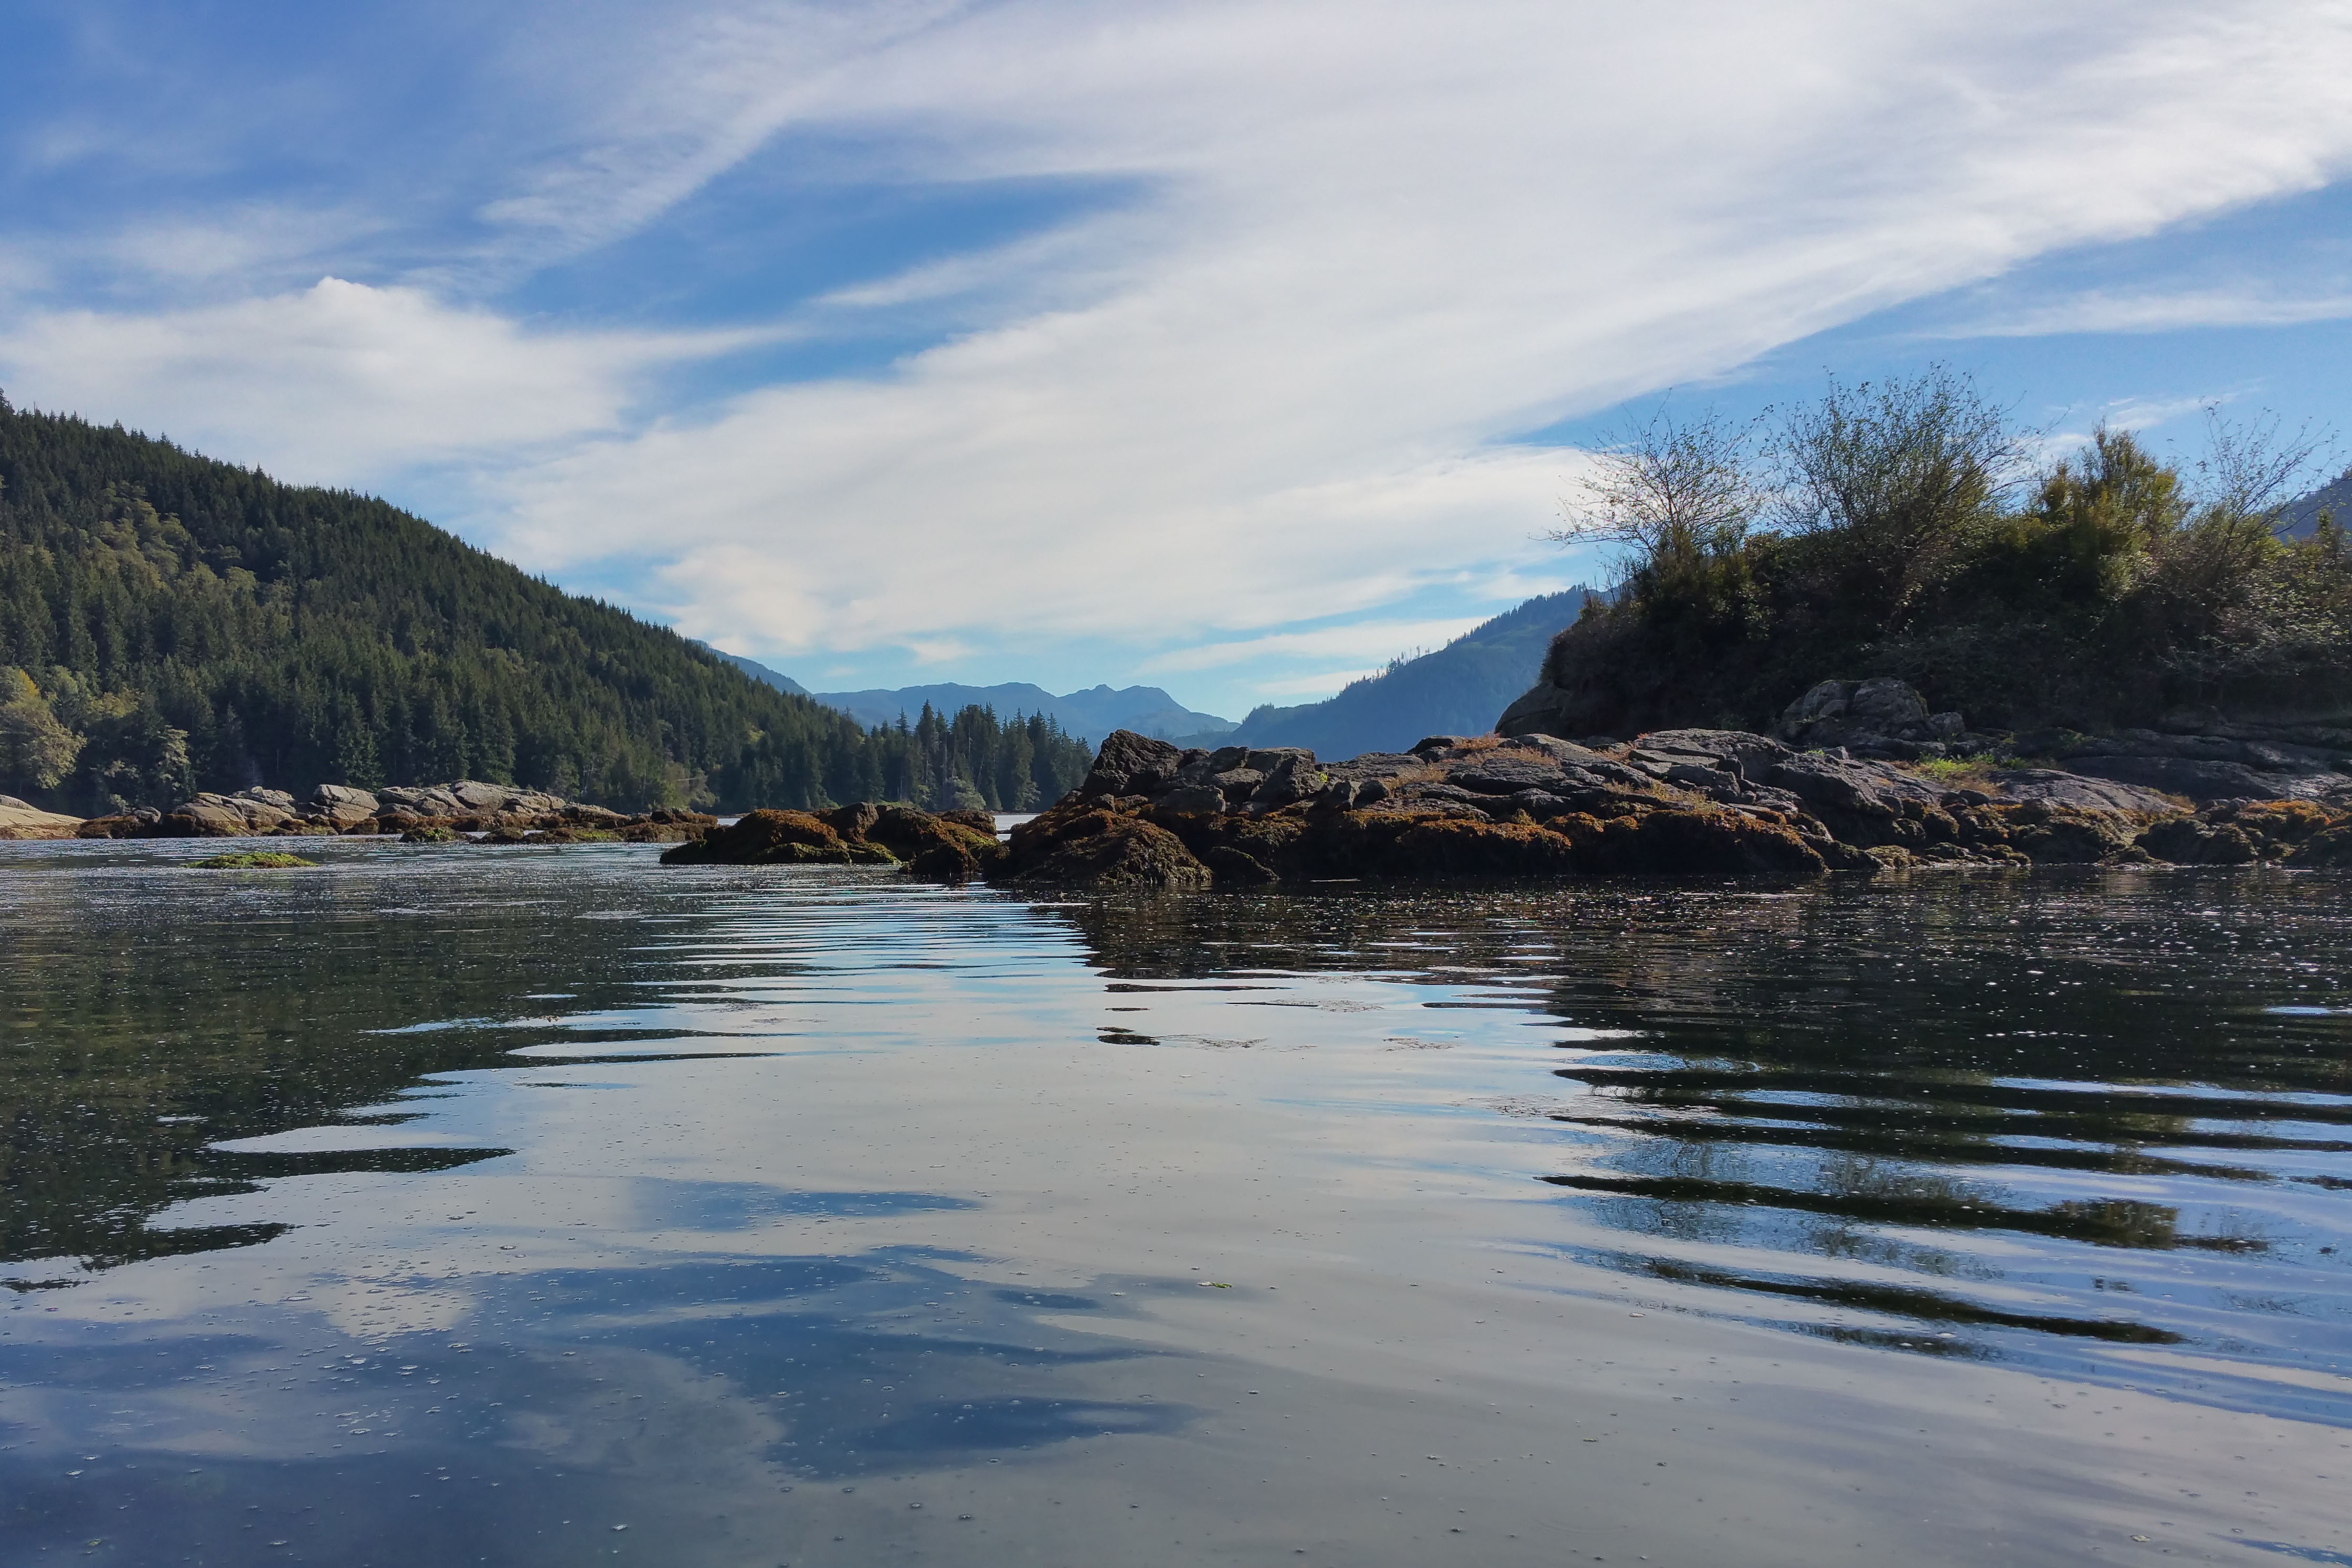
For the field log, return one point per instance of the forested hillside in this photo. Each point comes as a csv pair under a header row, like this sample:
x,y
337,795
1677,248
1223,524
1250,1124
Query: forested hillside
x,y
169,623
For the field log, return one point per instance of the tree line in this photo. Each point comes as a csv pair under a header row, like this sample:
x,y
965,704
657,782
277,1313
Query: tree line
x,y
1913,527
169,623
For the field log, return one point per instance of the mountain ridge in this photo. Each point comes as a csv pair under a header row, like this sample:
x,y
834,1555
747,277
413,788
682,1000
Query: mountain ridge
x,y
1457,690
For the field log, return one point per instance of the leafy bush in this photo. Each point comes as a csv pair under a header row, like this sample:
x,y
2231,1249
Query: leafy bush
x,y
1902,529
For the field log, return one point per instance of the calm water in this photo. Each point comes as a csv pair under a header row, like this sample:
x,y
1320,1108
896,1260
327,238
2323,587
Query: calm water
x,y
531,1206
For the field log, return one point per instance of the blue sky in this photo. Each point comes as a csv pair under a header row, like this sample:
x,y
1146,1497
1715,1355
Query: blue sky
x,y
1226,347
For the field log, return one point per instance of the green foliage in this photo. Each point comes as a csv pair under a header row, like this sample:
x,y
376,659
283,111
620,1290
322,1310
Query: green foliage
x,y
253,860
1905,541
35,748
182,624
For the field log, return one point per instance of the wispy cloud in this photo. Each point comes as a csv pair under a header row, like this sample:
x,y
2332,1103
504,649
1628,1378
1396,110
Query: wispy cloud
x,y
2099,311
340,382
1372,642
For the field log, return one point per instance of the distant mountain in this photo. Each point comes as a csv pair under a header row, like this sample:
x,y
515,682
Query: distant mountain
x,y
1460,689
2302,516
756,670
1090,714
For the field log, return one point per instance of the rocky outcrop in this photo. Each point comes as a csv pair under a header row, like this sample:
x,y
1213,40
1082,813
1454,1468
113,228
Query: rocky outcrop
x,y
20,819
1881,717
953,848
2206,757
454,812
1674,802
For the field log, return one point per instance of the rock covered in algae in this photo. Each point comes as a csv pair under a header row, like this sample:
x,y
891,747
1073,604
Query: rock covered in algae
x,y
1671,803
949,848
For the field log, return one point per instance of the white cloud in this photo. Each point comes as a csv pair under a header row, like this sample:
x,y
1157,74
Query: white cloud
x,y
1368,242
2101,310
340,383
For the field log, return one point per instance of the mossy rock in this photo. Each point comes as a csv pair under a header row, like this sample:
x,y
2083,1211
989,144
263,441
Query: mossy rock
x,y
253,860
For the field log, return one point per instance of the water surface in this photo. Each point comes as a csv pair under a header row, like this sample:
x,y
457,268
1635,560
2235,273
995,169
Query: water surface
x,y
536,1206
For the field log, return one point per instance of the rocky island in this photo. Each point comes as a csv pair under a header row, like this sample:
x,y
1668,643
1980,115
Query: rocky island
x,y
1680,802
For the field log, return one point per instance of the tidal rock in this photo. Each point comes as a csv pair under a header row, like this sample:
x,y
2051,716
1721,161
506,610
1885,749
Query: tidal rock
x,y
1680,803
21,819
2197,780
1194,797
1083,844
860,834
2086,792
1129,763
340,807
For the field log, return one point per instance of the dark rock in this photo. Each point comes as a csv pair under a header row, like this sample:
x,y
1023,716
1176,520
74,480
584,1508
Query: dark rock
x,y
851,821
1841,784
772,838
1237,783
2199,781
1193,797
2084,792
1129,763
1841,713
1293,776
2185,841
1754,753
1693,775
1506,772
1677,803
1235,867
1081,844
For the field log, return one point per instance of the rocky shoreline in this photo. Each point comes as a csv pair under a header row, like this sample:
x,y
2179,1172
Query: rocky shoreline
x,y
1677,802
1860,779
419,813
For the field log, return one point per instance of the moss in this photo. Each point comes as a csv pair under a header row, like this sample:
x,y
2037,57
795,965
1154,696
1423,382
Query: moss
x,y
1103,851
253,860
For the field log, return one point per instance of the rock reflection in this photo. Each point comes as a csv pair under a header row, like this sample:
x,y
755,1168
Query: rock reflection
x,y
2019,1090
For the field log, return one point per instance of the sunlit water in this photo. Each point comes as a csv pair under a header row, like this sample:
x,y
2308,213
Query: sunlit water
x,y
548,1206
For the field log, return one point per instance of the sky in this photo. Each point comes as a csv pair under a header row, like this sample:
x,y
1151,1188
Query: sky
x,y
1233,348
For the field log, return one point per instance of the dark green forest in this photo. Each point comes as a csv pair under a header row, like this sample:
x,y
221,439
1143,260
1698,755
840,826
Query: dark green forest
x,y
169,623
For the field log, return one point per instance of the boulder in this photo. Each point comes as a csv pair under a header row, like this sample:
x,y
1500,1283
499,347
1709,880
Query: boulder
x,y
936,847
21,819
1194,797
1881,713
1081,844
2084,793
340,807
2197,780
1129,763
1754,753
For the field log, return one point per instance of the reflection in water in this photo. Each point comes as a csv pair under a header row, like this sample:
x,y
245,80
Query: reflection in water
x,y
528,1206
1994,1107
